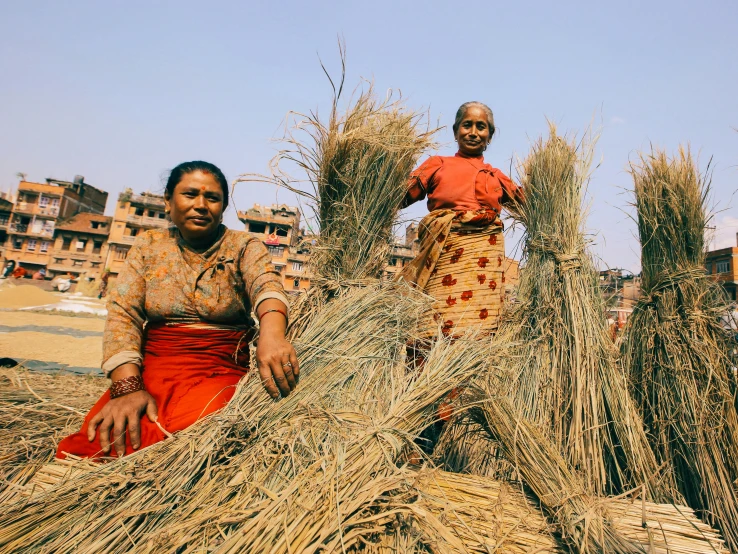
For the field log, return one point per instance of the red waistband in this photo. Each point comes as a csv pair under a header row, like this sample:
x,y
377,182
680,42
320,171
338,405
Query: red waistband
x,y
193,345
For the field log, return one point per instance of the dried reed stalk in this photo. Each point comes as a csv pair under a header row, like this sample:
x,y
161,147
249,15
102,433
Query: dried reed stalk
x,y
674,348
36,411
555,339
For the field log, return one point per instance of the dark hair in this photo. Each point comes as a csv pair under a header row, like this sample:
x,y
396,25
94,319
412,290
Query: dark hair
x,y
186,168
462,111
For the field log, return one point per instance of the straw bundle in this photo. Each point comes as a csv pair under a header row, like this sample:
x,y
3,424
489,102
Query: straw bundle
x,y
36,410
358,164
182,480
674,348
555,339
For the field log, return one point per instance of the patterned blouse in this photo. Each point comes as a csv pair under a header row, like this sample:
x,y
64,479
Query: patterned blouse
x,y
165,280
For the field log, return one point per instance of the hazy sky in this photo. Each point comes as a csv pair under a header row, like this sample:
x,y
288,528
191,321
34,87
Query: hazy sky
x,y
120,92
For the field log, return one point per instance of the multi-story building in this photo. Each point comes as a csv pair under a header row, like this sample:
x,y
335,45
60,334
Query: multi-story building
x,y
278,227
81,246
6,209
722,265
38,208
134,213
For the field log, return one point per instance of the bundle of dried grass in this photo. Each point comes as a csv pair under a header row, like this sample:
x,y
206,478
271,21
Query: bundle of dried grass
x,y
358,164
36,411
555,340
674,348
492,510
183,481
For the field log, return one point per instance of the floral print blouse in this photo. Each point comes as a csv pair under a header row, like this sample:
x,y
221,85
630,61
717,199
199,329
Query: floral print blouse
x,y
166,281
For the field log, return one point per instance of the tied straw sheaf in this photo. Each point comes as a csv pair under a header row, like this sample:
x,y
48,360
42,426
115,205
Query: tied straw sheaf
x,y
555,339
674,348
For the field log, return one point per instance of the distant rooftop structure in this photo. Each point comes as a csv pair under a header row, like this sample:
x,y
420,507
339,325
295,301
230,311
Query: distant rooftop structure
x,y
85,222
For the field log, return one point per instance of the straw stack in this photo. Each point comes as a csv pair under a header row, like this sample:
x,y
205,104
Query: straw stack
x,y
181,480
555,340
674,348
36,410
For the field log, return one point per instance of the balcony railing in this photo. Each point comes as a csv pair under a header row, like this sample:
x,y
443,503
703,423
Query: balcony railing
x,y
145,221
25,229
52,211
127,239
24,207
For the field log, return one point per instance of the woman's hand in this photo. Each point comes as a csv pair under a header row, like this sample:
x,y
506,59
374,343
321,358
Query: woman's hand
x,y
275,356
122,413
119,413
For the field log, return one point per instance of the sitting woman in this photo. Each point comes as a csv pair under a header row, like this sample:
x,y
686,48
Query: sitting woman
x,y
179,323
462,253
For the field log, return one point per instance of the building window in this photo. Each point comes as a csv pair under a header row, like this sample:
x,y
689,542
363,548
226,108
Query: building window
x,y
81,245
58,260
279,268
66,243
258,228
722,266
96,246
17,244
281,232
77,263
296,266
139,211
31,246
3,219
54,202
162,215
296,283
43,201
44,246
152,213
275,251
121,253
95,224
95,264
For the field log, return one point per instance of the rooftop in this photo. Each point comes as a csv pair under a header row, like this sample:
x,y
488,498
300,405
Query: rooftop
x,y
85,222
145,198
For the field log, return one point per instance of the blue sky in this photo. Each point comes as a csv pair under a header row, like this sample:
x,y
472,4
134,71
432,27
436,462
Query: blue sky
x,y
120,92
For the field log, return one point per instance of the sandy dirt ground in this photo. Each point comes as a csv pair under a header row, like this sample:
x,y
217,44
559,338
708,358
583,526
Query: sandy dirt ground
x,y
51,347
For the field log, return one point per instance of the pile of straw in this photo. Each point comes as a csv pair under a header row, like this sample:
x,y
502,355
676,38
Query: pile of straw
x,y
555,339
36,411
182,481
674,348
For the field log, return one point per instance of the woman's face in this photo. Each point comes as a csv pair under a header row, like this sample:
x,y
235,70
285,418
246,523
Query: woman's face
x,y
196,206
473,134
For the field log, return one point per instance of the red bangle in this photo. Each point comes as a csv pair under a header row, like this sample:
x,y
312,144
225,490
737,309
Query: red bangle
x,y
127,385
273,310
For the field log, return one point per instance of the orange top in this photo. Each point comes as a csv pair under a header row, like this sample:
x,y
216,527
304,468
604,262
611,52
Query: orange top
x,y
460,183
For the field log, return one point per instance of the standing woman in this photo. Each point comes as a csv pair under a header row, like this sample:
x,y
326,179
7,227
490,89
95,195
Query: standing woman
x,y
462,252
179,323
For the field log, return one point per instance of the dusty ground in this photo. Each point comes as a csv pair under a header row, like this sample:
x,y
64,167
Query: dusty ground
x,y
48,342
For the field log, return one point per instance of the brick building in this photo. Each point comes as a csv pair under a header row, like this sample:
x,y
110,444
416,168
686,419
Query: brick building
x,y
81,246
38,209
722,265
6,210
278,227
134,213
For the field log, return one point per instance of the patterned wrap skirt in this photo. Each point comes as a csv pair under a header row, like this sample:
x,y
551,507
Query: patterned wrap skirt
x,y
460,265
